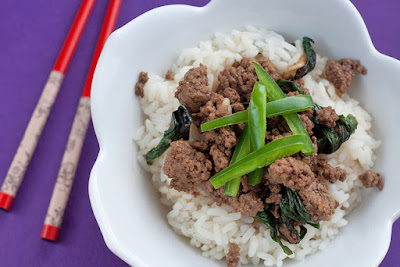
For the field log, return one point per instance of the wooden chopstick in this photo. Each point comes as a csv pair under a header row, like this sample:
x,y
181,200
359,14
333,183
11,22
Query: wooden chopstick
x,y
28,144
66,175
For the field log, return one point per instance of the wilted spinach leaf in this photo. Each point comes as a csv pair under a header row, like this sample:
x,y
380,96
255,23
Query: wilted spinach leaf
x,y
179,128
283,219
292,209
268,219
289,86
292,206
330,139
303,232
311,58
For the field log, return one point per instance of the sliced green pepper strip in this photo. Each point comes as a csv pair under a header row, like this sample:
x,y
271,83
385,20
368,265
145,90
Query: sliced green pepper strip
x,y
257,125
241,150
264,156
279,107
274,92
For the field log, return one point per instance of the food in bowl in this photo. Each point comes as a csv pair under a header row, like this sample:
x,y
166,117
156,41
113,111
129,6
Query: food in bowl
x,y
265,152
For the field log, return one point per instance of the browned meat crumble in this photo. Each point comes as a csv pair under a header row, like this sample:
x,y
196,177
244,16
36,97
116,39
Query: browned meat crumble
x,y
247,204
169,76
332,174
340,73
193,91
139,87
242,77
291,237
297,175
232,259
327,116
371,179
187,166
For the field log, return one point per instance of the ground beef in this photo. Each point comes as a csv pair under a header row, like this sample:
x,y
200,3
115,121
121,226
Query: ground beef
x,y
215,108
218,196
232,94
247,204
371,179
241,76
224,136
193,91
237,107
292,93
297,175
221,156
139,87
275,211
232,259
269,67
186,166
275,134
308,124
249,188
274,198
340,73
295,223
311,160
276,126
169,76
275,188
309,113
290,236
273,192
332,174
300,82
327,116
318,202
201,145
291,173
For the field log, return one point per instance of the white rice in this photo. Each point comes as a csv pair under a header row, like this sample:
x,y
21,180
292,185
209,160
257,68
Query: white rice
x,y
211,228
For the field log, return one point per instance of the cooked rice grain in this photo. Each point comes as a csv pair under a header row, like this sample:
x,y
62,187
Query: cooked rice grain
x,y
210,227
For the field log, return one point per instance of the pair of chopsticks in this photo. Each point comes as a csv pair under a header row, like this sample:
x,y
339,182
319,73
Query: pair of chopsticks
x,y
66,175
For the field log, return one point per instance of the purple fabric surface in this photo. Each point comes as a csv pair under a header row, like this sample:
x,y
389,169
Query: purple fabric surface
x,y
32,33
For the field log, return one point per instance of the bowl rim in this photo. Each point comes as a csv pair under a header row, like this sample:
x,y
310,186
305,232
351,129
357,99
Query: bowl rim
x,y
98,210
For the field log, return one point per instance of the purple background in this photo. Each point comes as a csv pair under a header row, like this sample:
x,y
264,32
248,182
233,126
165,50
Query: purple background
x,y
32,33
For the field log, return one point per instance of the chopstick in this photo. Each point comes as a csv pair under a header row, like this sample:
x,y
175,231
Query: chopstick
x,y
28,144
66,175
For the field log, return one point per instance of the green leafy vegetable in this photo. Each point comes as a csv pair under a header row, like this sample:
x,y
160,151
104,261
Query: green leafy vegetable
x,y
303,232
179,128
257,125
311,58
292,206
292,209
279,107
274,93
241,150
268,219
283,219
330,139
264,156
289,86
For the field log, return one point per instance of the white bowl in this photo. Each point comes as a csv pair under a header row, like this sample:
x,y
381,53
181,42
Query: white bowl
x,y
124,202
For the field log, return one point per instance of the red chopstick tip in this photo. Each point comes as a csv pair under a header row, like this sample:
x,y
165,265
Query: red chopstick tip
x,y
50,232
6,201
